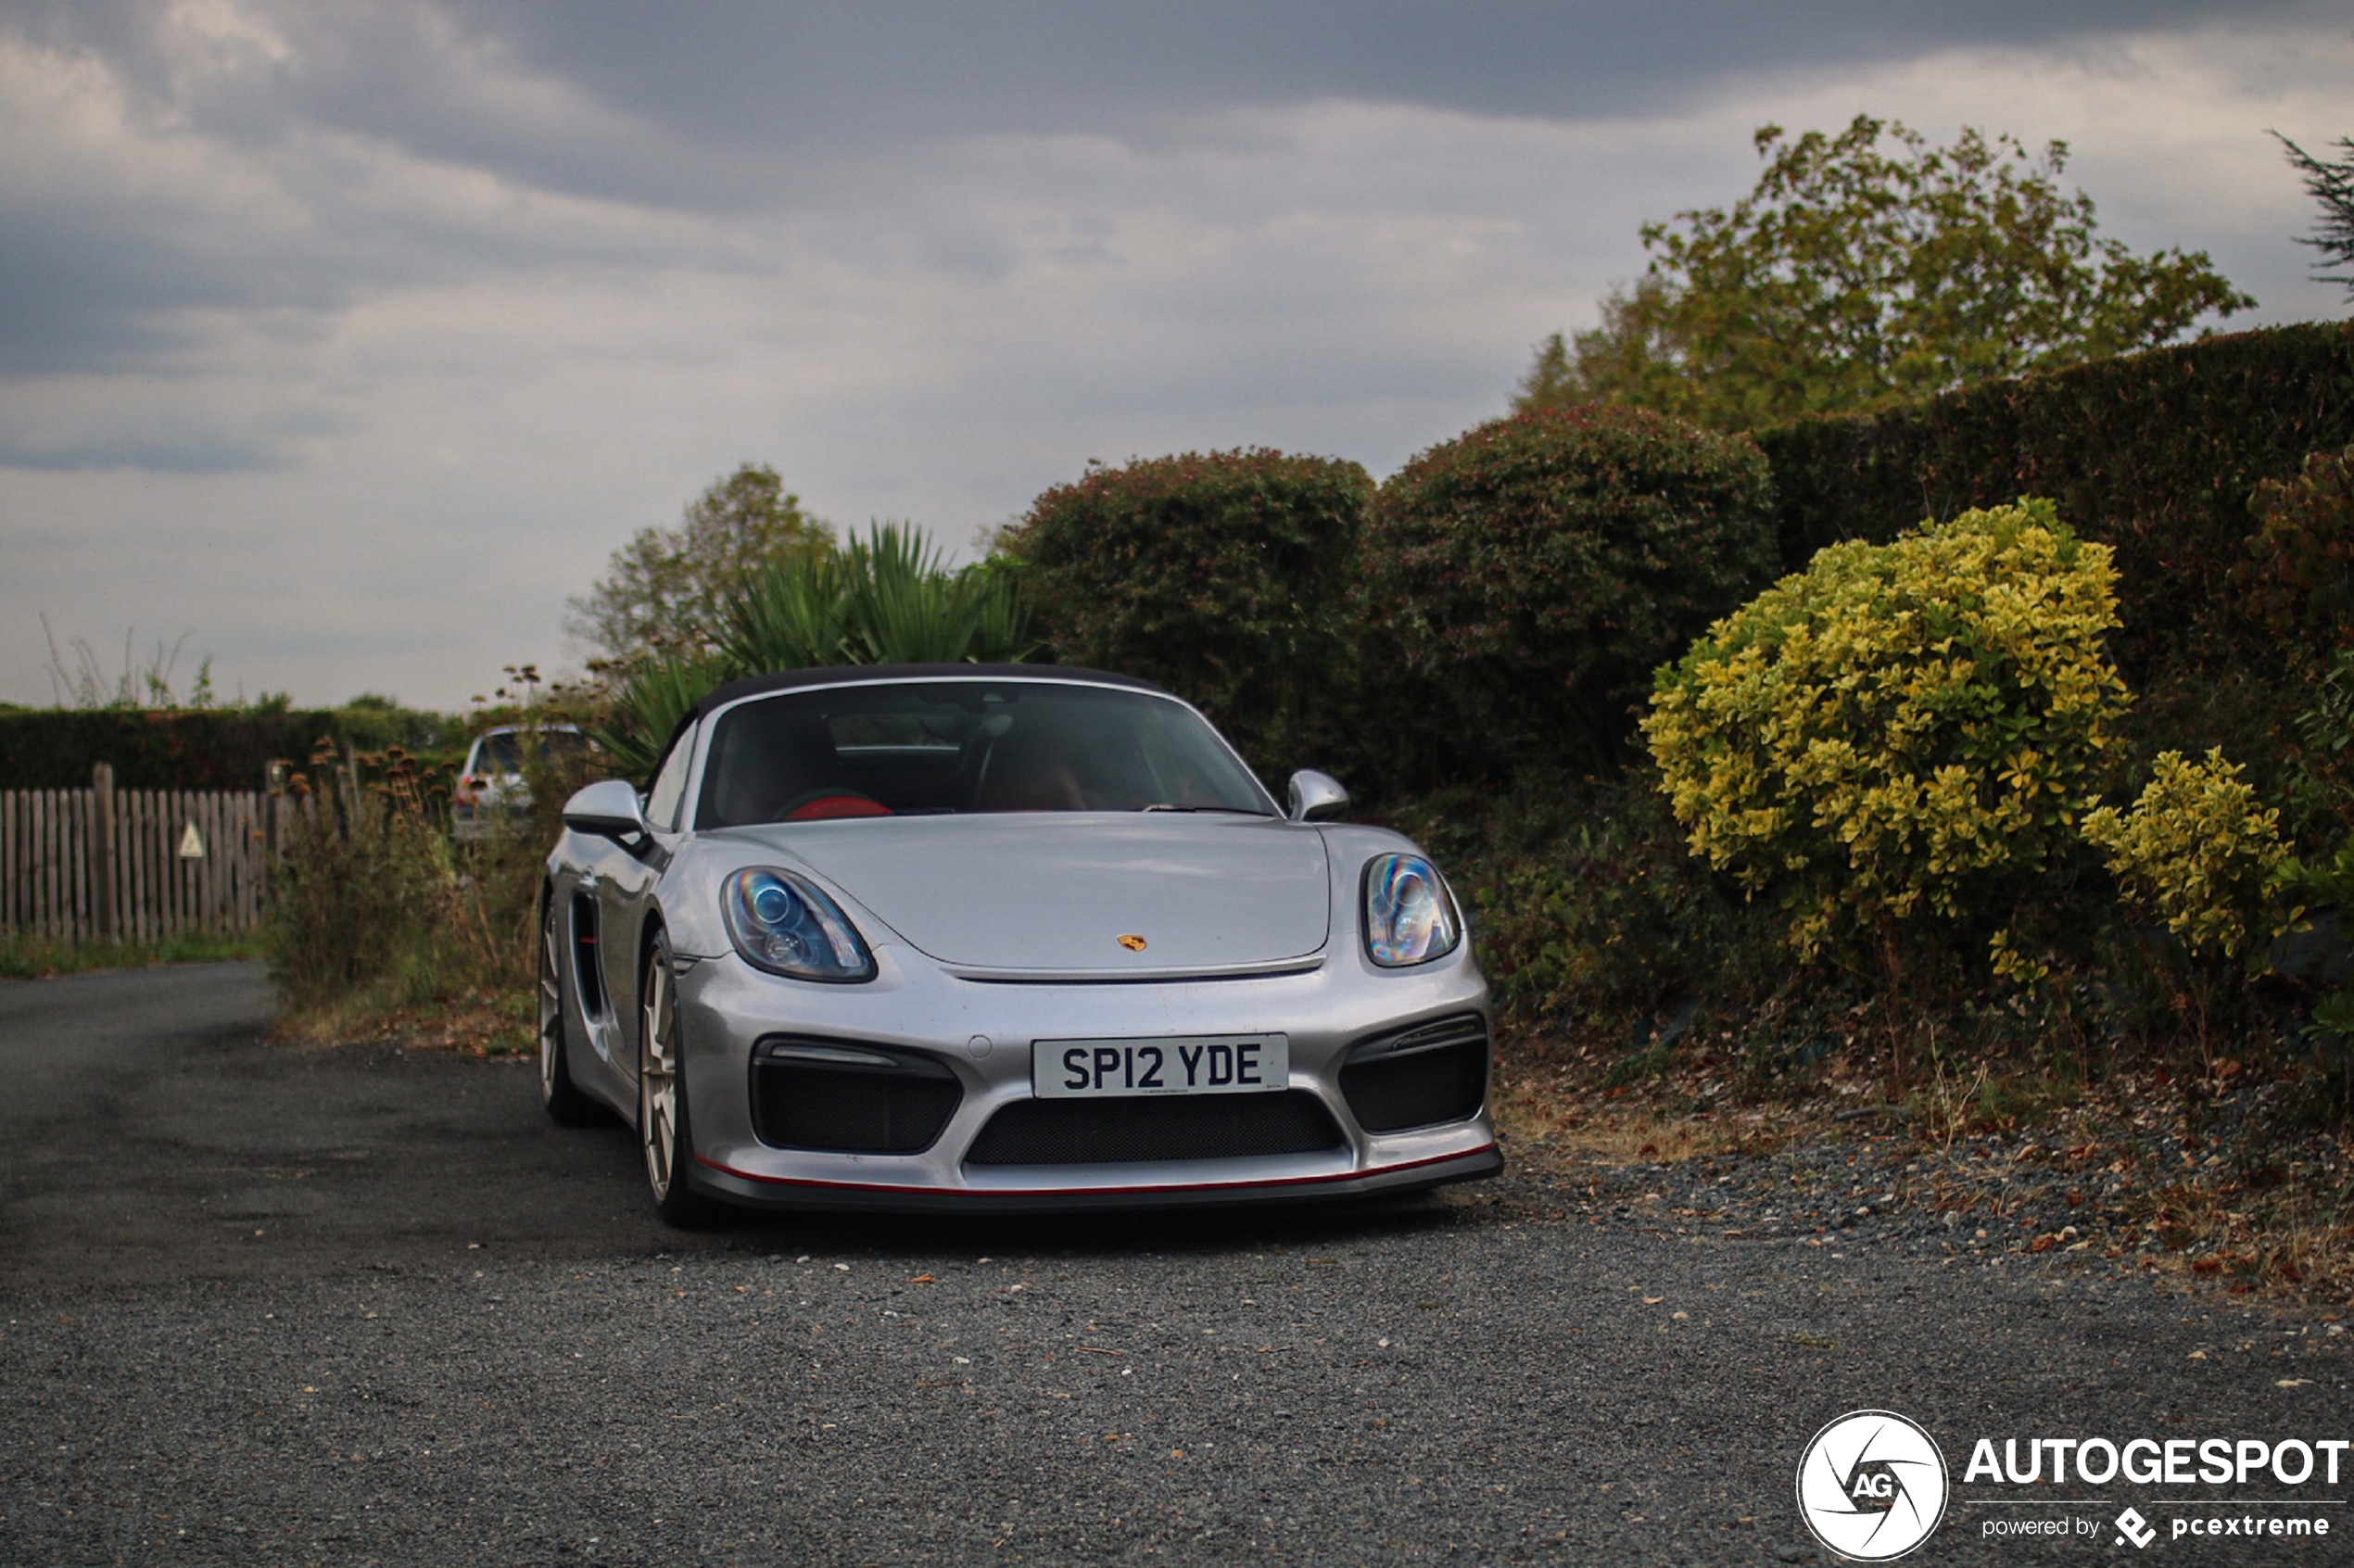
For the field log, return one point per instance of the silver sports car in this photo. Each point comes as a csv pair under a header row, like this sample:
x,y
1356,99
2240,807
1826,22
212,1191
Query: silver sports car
x,y
1001,937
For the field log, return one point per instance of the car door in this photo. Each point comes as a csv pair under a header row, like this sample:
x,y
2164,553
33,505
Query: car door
x,y
626,876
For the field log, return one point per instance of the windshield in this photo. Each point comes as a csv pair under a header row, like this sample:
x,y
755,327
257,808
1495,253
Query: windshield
x,y
934,747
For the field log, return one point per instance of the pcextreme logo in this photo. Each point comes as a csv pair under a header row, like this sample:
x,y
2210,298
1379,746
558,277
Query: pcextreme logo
x,y
1872,1485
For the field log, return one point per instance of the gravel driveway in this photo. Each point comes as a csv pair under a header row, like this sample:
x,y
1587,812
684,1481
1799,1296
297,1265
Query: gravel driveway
x,y
264,1303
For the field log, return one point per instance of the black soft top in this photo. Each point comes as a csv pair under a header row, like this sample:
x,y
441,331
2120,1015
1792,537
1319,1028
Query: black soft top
x,y
843,675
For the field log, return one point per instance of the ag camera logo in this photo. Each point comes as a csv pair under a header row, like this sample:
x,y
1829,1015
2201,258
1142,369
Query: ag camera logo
x,y
1872,1485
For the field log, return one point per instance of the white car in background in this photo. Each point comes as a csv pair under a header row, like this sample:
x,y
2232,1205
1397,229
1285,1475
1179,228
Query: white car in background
x,y
492,781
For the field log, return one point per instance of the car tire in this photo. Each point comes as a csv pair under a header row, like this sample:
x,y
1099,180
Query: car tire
x,y
562,1097
665,1133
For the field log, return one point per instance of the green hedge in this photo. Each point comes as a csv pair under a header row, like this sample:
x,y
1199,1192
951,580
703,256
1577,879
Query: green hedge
x,y
1539,568
2153,454
205,749
1224,577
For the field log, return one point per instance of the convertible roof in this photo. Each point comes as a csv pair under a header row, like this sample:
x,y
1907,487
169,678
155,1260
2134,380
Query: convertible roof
x,y
840,674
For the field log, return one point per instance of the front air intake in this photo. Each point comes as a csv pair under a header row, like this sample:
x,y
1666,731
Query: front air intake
x,y
1428,1075
842,1098
1155,1127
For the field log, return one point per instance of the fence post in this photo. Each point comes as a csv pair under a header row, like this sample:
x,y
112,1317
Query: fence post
x,y
104,910
274,822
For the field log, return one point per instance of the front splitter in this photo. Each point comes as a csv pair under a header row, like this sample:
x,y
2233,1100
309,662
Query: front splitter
x,y
796,1192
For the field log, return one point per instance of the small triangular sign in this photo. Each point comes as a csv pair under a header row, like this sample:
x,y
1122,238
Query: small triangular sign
x,y
190,843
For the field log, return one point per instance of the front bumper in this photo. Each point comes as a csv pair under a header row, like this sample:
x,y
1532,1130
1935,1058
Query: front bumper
x,y
982,1033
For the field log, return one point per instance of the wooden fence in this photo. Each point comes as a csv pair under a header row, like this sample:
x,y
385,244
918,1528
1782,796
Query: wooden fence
x,y
104,864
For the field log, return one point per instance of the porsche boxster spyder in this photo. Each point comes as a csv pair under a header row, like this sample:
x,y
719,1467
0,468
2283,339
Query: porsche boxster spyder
x,y
970,937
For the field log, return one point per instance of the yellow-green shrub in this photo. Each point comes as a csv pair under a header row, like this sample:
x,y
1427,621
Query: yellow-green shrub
x,y
2199,851
1902,728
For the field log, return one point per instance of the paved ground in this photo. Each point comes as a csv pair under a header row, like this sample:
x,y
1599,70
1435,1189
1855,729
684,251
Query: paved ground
x,y
258,1303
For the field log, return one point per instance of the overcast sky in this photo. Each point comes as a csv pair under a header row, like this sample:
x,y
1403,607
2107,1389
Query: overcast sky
x,y
351,338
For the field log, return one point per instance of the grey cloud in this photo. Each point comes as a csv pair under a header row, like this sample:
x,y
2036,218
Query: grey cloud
x,y
100,286
193,442
705,102
686,115
818,72
157,452
110,272
436,84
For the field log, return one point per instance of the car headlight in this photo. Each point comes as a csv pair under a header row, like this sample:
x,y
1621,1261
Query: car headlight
x,y
784,923
1409,916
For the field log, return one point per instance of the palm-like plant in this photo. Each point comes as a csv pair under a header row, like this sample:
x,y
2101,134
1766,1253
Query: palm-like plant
x,y
785,616
888,599
647,706
902,605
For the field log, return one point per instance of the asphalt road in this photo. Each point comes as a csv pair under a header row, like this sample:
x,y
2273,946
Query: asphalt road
x,y
259,1303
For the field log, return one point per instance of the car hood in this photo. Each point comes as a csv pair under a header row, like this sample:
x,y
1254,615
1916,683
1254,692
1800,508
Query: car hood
x,y
1054,892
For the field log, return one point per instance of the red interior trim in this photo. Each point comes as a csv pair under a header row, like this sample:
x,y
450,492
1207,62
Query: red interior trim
x,y
832,806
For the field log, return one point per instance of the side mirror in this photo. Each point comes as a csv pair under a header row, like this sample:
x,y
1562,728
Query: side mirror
x,y
608,809
1316,797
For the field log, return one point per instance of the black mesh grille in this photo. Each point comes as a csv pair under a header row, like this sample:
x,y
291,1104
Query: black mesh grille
x,y
846,1106
1115,1132
1433,1074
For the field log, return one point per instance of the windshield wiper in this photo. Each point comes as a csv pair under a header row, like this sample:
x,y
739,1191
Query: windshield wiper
x,y
1232,811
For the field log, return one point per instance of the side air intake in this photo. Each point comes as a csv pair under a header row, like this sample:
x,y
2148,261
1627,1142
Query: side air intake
x,y
842,1098
1423,1076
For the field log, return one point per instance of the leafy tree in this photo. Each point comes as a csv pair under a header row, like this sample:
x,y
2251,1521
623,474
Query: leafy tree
x,y
668,588
1605,364
1854,273
2332,185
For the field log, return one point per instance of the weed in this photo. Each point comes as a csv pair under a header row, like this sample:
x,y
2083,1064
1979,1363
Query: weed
x,y
378,916
34,957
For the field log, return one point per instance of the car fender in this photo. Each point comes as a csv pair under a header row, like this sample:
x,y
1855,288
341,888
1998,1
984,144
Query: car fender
x,y
1350,847
688,894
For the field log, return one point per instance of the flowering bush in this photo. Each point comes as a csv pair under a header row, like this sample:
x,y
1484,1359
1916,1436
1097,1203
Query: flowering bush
x,y
2199,851
1900,729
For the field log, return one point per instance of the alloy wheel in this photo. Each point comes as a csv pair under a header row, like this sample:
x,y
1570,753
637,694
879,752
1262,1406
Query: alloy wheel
x,y
658,1077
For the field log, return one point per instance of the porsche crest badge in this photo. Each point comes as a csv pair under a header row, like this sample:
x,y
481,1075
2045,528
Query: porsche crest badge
x,y
1132,943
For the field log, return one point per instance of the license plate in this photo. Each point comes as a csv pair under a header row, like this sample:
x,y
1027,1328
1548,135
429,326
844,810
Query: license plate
x,y
1193,1064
